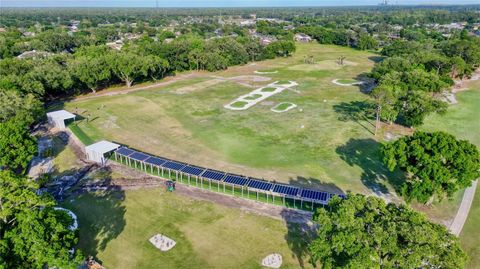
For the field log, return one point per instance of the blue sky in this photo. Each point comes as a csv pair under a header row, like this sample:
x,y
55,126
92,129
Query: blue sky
x,y
214,3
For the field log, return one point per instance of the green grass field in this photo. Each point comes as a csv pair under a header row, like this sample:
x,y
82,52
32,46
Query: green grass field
x,y
327,142
305,147
347,81
116,227
462,120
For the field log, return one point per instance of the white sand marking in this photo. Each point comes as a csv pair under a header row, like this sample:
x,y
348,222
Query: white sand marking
x,y
162,242
264,73
278,88
74,225
335,81
290,106
272,261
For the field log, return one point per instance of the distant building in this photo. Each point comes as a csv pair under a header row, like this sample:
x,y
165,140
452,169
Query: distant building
x,y
302,37
117,45
33,54
28,34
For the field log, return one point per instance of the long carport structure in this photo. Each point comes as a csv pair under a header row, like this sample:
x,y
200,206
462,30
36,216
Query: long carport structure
x,y
211,179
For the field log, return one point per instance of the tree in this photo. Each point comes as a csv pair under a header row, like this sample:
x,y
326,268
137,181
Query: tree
x,y
367,42
435,164
32,233
365,232
128,66
91,71
28,107
54,77
17,146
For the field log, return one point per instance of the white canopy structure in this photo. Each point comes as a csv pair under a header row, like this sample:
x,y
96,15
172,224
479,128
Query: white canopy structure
x,y
57,118
96,152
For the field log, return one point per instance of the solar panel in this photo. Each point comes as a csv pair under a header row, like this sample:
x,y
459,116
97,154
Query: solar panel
x,y
212,174
173,165
285,189
155,161
192,170
314,195
236,180
259,184
139,156
125,151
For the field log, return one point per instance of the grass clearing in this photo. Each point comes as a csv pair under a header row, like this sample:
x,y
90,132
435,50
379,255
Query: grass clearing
x,y
324,146
253,97
239,104
268,89
347,81
282,107
207,235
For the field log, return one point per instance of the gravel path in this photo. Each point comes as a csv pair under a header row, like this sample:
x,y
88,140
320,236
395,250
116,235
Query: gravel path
x,y
462,213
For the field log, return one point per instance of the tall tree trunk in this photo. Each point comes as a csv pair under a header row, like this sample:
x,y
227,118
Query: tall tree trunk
x,y
377,120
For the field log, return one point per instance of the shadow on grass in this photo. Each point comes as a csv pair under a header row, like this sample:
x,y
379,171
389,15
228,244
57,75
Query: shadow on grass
x,y
313,183
300,231
361,112
298,237
365,153
98,204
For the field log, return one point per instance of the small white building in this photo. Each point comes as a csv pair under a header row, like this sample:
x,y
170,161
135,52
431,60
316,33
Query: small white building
x,y
302,38
96,152
58,118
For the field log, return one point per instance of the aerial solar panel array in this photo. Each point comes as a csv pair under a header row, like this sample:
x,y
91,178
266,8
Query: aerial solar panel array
x,y
212,174
259,184
192,170
174,165
155,161
285,189
237,180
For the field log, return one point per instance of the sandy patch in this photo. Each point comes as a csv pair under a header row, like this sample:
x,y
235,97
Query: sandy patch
x,y
336,81
197,86
265,72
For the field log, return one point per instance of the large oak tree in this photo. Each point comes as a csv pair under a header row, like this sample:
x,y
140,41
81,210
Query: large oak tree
x,y
435,164
365,232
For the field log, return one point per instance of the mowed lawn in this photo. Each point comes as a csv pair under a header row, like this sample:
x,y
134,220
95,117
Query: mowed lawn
x,y
320,143
116,227
463,120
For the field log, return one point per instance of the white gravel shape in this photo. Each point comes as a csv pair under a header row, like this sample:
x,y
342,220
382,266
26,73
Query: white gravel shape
x,y
335,81
272,261
74,225
291,106
162,242
263,95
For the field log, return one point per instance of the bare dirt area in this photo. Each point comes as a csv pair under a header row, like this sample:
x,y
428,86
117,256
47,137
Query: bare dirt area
x,y
462,85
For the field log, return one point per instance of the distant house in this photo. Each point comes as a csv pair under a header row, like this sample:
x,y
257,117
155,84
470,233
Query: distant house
x,y
288,27
34,54
117,45
28,34
302,38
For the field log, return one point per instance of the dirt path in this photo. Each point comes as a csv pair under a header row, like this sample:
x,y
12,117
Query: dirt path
x,y
164,82
273,211
462,213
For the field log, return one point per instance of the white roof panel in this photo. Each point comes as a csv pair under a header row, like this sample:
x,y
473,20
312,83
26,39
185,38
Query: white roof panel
x,y
102,147
61,114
